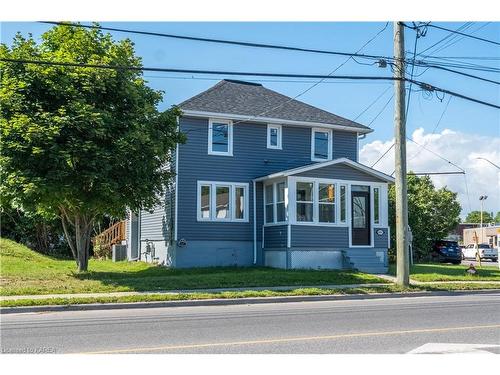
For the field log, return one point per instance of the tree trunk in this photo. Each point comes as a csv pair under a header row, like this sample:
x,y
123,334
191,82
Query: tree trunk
x,y
78,234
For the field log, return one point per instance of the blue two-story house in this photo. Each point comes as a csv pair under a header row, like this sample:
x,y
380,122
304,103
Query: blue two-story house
x,y
264,179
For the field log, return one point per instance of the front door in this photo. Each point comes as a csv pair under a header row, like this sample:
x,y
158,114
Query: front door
x,y
360,224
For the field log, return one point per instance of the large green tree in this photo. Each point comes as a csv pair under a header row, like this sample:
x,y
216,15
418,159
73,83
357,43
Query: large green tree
x,y
432,213
81,142
475,217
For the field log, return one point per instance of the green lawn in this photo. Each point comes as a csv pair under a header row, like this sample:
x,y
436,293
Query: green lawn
x,y
449,272
23,271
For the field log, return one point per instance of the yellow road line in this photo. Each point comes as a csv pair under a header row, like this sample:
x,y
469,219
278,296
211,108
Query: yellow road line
x,y
292,339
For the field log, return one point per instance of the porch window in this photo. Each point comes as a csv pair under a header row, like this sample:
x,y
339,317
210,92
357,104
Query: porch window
x,y
269,199
280,202
376,205
304,199
222,201
275,206
321,145
220,137
326,203
343,203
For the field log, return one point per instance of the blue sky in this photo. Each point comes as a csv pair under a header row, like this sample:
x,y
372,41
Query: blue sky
x,y
344,98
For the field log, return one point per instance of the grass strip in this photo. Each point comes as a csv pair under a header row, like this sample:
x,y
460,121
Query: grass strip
x,y
245,294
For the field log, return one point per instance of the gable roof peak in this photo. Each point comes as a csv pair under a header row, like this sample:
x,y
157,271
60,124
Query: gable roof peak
x,y
258,103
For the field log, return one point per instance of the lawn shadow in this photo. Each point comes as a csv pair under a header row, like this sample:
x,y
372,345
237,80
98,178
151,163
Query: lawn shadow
x,y
162,278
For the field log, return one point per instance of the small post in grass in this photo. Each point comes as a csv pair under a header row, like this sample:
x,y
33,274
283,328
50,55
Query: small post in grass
x,y
476,241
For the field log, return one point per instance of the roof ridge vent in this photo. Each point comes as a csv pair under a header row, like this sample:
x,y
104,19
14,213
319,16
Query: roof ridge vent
x,y
242,82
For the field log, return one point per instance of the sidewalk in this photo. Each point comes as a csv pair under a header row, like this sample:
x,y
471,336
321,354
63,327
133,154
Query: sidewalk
x,y
392,279
187,291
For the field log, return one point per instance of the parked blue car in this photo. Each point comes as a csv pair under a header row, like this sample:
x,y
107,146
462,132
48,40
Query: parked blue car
x,y
446,252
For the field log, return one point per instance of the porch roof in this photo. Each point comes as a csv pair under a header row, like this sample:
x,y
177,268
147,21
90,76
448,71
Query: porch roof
x,y
345,161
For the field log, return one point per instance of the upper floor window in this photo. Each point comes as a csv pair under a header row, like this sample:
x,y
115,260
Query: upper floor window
x,y
220,137
274,136
222,201
321,144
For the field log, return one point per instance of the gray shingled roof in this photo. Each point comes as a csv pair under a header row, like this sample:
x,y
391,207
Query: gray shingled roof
x,y
253,99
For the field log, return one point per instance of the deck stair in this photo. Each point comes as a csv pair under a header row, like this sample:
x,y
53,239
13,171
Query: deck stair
x,y
115,234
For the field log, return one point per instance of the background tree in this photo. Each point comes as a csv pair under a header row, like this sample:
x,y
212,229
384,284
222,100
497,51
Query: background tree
x,y
432,213
475,217
81,142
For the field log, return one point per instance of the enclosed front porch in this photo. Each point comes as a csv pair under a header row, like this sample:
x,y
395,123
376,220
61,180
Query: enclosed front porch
x,y
330,215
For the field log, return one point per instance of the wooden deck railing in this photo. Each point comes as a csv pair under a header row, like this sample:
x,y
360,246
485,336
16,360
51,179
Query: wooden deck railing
x,y
111,236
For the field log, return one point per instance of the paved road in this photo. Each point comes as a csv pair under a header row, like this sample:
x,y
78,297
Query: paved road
x,y
385,325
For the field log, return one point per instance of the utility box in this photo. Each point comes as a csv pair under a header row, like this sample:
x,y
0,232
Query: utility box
x,y
119,253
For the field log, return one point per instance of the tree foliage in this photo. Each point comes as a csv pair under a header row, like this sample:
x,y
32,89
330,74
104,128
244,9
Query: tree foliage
x,y
432,213
475,217
81,142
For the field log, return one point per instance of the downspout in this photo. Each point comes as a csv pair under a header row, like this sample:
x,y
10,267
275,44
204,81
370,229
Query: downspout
x,y
254,225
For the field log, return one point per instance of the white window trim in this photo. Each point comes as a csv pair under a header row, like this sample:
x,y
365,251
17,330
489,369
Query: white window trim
x,y
330,142
232,205
336,195
292,180
269,145
274,184
229,124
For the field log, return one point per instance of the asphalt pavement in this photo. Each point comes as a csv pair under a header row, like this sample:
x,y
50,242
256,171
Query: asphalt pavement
x,y
458,323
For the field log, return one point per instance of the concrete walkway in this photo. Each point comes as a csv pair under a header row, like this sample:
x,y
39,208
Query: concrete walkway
x,y
390,281
185,291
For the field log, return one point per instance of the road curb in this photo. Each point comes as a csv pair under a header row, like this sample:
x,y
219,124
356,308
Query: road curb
x,y
230,301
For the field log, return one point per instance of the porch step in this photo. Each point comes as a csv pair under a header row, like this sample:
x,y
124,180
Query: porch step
x,y
365,262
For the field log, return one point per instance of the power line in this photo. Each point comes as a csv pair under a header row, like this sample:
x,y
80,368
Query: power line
x,y
435,128
213,40
450,43
463,34
372,103
443,39
229,42
463,74
423,85
382,110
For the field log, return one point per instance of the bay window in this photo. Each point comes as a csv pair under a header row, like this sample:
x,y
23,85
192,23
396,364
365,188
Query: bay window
x,y
222,201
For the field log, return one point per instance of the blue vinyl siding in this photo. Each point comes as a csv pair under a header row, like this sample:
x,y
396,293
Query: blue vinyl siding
x,y
340,171
251,158
275,236
316,236
153,224
345,145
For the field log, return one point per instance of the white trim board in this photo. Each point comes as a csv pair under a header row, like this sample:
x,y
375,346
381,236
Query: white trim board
x,y
270,120
349,162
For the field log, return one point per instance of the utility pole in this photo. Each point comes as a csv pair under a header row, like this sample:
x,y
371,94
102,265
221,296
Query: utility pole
x,y
403,268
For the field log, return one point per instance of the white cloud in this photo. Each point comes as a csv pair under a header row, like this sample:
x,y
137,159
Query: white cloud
x,y
462,149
